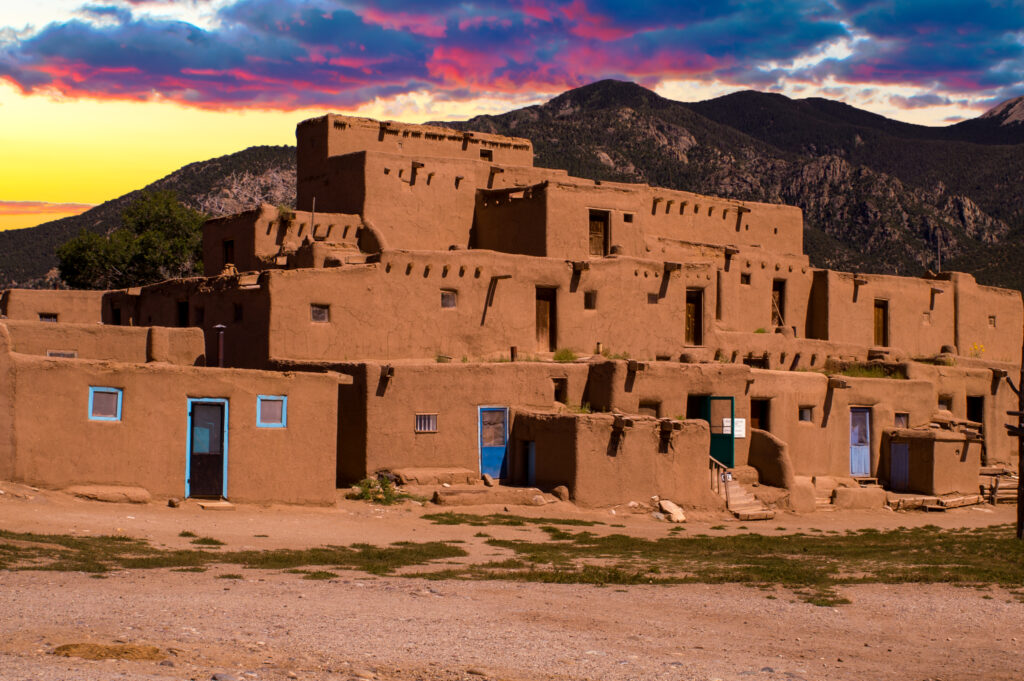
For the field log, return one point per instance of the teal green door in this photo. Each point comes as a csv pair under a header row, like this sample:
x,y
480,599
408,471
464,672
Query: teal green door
x,y
715,409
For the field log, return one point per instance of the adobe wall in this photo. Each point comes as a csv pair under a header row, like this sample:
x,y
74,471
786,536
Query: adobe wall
x,y
940,462
397,312
640,215
453,392
989,321
239,302
319,139
415,202
75,307
604,467
147,448
264,239
7,432
102,342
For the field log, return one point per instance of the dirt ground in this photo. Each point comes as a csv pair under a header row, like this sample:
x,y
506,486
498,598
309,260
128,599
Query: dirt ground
x,y
273,625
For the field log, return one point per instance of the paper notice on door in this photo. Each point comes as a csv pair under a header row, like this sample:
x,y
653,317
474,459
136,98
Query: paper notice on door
x,y
737,425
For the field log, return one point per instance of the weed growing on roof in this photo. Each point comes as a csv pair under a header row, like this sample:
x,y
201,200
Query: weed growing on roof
x,y
207,541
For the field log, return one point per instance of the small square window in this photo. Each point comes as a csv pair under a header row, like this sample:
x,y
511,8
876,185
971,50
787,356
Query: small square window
x,y
449,298
426,423
272,411
807,414
486,155
992,320
590,300
627,217
320,313
652,298
901,420
50,317
104,404
946,402
745,278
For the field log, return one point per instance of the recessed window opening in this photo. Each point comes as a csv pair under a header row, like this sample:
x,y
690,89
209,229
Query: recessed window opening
x,y
272,411
696,208
760,410
992,320
449,298
238,312
115,316
49,317
561,386
901,419
486,155
320,313
105,403
426,423
650,408
946,402
590,300
806,414
627,217
976,408
745,278
182,313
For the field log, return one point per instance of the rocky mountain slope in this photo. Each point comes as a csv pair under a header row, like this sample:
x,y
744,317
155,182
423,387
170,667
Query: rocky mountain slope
x,y
878,195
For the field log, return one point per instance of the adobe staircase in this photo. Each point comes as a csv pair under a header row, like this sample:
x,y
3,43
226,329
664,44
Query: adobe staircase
x,y
740,502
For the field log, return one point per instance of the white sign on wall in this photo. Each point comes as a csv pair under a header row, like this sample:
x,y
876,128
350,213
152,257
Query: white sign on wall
x,y
740,424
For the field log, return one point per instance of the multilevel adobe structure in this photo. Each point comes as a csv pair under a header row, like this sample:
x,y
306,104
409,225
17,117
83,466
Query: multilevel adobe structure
x,y
438,307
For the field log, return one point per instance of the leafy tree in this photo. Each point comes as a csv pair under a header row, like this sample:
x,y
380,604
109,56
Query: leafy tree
x,y
159,239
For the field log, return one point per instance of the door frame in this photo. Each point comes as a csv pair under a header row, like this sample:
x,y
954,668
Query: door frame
x,y
188,442
849,429
480,434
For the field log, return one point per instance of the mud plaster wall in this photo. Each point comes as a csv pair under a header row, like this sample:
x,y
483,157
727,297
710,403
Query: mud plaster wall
x,y
147,448
241,303
940,462
320,140
638,468
392,309
602,468
76,307
115,343
7,433
454,392
746,292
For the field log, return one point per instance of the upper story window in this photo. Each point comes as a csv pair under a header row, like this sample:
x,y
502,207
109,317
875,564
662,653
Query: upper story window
x,y
426,423
105,403
50,317
320,313
449,298
272,411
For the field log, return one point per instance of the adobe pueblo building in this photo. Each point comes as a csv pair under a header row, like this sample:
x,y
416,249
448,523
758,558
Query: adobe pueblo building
x,y
438,306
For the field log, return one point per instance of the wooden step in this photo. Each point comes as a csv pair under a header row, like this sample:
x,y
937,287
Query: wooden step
x,y
964,500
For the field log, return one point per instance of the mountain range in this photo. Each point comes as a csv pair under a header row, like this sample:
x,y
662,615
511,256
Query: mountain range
x,y
878,195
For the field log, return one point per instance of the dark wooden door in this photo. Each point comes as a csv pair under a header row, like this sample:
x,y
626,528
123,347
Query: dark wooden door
x,y
694,317
598,233
206,449
547,333
882,322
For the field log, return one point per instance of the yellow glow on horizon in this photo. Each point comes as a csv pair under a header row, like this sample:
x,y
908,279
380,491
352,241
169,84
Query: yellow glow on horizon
x,y
58,149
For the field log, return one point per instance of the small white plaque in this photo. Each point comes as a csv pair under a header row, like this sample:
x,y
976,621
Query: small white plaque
x,y
741,427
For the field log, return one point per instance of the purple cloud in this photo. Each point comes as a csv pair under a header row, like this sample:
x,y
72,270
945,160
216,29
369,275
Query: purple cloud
x,y
290,53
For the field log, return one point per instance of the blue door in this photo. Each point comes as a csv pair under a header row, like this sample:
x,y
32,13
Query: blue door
x,y
860,442
899,467
493,436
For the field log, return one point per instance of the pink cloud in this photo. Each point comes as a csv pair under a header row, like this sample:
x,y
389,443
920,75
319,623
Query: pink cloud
x,y
41,207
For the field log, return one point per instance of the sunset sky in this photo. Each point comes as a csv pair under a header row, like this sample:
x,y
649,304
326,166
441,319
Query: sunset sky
x,y
97,99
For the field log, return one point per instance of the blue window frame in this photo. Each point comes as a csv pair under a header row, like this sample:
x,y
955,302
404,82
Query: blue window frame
x,y
272,411
105,403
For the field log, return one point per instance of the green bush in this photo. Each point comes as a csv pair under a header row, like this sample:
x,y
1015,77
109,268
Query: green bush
x,y
564,355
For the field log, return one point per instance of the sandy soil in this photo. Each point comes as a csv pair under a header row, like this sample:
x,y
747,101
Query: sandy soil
x,y
277,626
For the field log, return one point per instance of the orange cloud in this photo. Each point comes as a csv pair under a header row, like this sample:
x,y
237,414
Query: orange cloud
x,y
42,208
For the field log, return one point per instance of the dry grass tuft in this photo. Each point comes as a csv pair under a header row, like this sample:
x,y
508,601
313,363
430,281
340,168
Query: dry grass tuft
x,y
117,651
